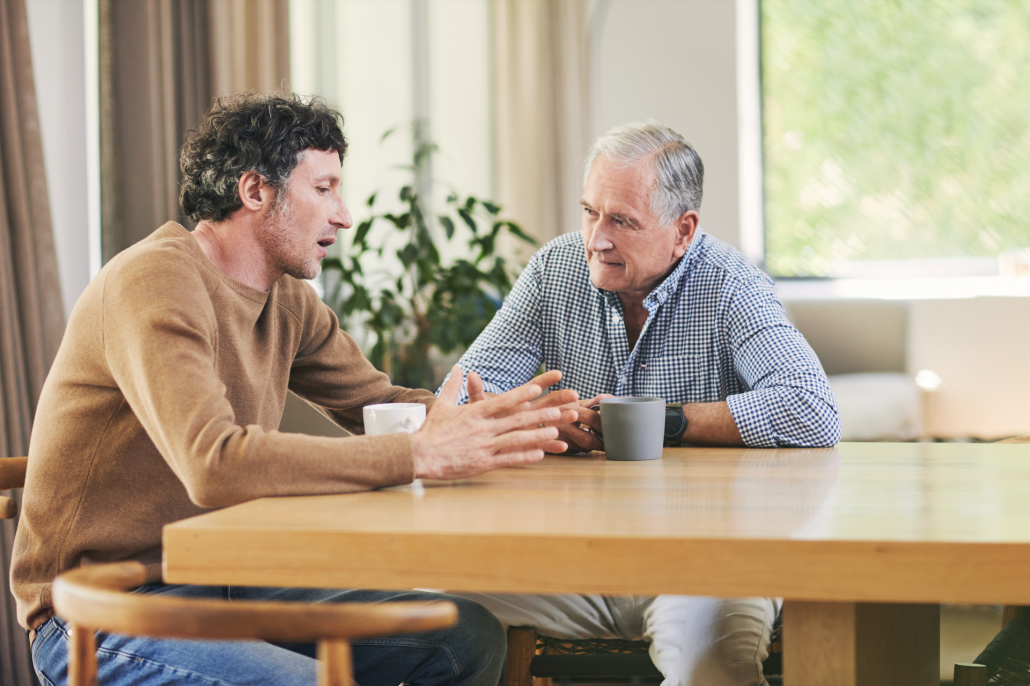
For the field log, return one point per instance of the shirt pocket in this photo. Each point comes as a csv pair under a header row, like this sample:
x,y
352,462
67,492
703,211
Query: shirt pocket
x,y
673,377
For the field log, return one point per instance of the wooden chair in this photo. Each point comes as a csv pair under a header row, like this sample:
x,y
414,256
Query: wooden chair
x,y
94,599
12,476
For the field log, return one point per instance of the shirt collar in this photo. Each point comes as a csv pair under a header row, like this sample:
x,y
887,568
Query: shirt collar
x,y
668,287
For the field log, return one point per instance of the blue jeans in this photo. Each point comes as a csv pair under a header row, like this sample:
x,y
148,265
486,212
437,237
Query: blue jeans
x,y
471,653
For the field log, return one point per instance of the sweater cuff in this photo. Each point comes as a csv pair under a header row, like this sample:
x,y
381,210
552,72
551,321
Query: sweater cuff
x,y
397,458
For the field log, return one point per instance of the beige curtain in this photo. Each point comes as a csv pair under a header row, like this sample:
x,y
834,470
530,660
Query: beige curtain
x,y
31,312
542,97
162,64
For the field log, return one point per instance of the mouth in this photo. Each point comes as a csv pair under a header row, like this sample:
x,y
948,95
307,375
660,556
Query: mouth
x,y
324,244
607,263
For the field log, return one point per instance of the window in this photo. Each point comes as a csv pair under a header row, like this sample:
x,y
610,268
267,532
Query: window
x,y
896,136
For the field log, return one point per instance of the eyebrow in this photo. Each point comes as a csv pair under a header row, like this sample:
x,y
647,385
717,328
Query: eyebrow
x,y
618,215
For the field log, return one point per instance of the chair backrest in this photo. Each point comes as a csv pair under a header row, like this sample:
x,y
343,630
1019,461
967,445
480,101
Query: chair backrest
x,y
12,475
93,598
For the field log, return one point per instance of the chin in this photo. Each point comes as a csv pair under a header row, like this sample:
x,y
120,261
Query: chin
x,y
305,271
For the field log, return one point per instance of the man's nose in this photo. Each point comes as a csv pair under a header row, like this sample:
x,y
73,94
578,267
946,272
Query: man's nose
x,y
341,218
599,237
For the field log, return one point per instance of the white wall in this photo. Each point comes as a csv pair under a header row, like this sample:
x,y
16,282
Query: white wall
x,y
675,61
978,346
57,38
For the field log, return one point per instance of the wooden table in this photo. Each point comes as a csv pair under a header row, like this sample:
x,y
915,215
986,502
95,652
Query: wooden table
x,y
863,541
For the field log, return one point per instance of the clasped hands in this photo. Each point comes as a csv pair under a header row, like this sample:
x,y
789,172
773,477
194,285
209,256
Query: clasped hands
x,y
517,427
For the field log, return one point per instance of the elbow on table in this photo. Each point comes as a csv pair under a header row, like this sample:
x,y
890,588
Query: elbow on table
x,y
212,488
814,422
825,430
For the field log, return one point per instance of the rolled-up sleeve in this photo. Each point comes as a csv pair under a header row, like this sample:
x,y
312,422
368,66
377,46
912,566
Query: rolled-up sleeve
x,y
790,402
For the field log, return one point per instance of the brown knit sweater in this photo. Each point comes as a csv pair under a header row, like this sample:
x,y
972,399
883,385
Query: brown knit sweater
x,y
164,401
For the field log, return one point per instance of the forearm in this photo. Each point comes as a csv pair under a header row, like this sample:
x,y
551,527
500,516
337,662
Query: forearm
x,y
710,424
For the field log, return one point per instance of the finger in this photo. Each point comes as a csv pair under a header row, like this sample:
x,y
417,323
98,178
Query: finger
x,y
547,379
451,389
550,416
557,448
583,440
512,459
475,388
506,403
556,398
589,417
524,440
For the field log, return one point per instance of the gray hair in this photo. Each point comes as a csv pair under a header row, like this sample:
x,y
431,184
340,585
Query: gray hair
x,y
678,171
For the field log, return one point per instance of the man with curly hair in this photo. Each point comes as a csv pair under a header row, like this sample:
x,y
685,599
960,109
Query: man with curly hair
x,y
166,395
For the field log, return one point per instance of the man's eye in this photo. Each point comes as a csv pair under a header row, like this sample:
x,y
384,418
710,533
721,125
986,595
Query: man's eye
x,y
619,221
323,190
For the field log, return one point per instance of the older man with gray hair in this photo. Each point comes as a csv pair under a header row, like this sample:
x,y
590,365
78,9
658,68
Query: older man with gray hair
x,y
642,302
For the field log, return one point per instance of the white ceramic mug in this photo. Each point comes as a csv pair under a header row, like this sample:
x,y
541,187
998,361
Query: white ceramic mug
x,y
391,418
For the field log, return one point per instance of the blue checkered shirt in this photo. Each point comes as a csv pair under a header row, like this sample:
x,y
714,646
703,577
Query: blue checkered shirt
x,y
715,331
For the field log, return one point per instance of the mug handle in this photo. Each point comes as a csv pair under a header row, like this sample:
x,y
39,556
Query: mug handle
x,y
597,434
410,425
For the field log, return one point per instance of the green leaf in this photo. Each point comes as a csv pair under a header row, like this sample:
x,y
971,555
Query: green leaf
x,y
361,233
490,207
517,231
332,263
402,221
466,217
372,199
408,255
389,132
405,193
448,226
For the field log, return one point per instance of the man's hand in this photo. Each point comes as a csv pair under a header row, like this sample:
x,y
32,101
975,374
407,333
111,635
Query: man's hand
x,y
572,438
576,437
459,441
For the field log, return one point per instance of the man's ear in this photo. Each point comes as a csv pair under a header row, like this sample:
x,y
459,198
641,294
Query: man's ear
x,y
254,191
686,227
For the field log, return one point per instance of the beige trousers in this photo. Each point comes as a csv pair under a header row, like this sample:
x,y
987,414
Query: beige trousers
x,y
695,641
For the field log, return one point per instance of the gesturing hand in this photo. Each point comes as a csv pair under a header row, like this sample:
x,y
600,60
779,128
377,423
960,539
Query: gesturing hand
x,y
458,441
576,437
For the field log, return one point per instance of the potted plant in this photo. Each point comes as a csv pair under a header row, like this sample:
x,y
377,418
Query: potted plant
x,y
425,303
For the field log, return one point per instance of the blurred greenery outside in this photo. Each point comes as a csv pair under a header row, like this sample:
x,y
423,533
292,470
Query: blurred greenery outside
x,y
894,130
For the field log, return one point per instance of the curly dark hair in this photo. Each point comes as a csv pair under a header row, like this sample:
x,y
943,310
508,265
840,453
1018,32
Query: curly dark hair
x,y
242,133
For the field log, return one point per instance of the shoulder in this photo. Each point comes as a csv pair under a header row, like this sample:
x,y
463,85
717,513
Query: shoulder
x,y
561,258
299,299
713,259
163,266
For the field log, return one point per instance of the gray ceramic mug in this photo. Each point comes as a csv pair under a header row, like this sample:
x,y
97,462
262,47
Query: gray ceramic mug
x,y
634,428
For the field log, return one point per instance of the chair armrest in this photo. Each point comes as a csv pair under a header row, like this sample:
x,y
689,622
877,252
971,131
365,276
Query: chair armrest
x,y
12,472
95,597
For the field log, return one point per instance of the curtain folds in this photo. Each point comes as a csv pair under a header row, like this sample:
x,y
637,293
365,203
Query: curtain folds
x,y
542,91
162,65
31,312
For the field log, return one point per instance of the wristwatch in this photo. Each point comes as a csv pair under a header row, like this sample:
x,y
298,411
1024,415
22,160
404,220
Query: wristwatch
x,y
675,423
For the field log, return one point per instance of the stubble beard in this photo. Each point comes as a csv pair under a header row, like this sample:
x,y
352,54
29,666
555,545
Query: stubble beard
x,y
281,244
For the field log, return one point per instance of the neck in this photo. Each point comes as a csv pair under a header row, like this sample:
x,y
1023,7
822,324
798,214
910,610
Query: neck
x,y
231,247
634,314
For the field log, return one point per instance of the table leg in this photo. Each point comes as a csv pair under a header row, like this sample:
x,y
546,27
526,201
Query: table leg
x,y
861,644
